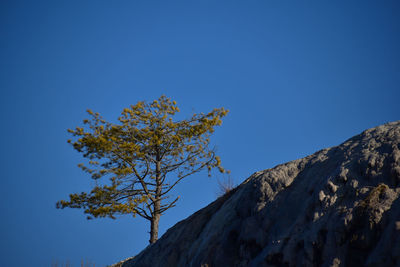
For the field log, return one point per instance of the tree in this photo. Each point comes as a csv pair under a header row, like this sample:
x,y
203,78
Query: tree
x,y
144,156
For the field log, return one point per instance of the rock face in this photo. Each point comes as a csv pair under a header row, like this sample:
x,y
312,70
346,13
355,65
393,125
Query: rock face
x,y
337,207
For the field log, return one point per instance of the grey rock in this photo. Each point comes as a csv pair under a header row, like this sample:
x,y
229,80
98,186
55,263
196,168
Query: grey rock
x,y
337,207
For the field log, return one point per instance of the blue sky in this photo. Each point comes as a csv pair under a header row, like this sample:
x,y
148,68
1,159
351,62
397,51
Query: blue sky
x,y
297,76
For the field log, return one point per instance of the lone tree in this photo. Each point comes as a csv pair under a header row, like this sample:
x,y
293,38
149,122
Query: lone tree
x,y
144,157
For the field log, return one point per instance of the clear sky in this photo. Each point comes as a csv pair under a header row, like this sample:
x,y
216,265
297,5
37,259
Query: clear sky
x,y
297,76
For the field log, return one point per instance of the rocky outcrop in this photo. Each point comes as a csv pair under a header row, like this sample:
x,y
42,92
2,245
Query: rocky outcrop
x,y
337,207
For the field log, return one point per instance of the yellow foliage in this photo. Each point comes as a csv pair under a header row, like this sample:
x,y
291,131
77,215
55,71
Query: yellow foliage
x,y
138,153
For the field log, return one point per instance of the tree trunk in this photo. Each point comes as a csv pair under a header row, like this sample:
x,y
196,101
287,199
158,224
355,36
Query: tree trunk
x,y
157,204
154,228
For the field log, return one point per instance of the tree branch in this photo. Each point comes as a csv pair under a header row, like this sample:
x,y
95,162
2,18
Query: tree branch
x,y
142,213
141,179
166,207
190,173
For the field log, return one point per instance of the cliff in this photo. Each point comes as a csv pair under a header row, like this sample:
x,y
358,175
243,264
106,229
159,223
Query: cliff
x,y
337,207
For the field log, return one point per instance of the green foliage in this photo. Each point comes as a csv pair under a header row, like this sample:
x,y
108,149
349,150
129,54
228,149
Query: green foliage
x,y
142,157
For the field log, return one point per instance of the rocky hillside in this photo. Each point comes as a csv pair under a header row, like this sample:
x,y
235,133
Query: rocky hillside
x,y
337,207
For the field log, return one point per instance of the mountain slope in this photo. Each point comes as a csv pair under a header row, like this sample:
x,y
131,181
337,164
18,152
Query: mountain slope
x,y
337,207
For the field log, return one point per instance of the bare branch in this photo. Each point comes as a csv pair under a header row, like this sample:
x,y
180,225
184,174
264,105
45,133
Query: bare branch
x,y
141,179
142,213
190,173
166,207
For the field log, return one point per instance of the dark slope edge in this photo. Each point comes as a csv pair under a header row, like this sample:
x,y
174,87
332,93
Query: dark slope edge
x,y
337,207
